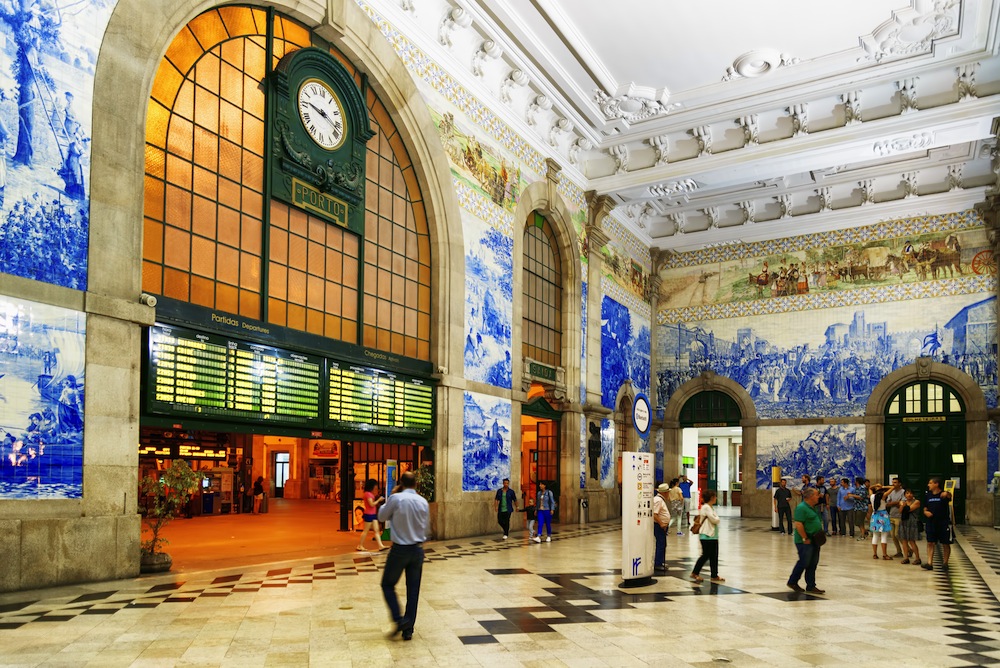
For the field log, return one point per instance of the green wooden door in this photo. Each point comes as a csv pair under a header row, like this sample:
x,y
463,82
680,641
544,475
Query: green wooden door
x,y
925,437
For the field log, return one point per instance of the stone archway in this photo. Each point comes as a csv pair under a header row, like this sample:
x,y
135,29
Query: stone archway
x,y
979,503
754,503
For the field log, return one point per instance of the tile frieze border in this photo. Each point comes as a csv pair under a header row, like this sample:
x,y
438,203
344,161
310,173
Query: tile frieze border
x,y
961,285
891,229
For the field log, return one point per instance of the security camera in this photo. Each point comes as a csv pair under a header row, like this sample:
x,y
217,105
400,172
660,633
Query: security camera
x,y
148,300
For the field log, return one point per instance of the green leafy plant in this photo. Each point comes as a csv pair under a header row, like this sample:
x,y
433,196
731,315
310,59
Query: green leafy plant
x,y
425,481
166,495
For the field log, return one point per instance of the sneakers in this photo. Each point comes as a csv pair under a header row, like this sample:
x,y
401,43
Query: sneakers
x,y
548,539
537,539
680,533
697,578
505,536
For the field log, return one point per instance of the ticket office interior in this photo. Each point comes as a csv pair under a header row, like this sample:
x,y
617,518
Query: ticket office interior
x,y
293,467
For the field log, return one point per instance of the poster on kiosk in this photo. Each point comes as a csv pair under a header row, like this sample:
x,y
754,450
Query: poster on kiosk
x,y
637,518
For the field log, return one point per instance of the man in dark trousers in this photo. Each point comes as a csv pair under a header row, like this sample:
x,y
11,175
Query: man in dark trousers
x,y
808,523
504,504
783,506
411,522
937,510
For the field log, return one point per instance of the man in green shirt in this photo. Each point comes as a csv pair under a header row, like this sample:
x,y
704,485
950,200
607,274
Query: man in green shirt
x,y
808,523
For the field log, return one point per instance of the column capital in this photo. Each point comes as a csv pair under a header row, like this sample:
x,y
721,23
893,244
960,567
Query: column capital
x,y
990,211
552,170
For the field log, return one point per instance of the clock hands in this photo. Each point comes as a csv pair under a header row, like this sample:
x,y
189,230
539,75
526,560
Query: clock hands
x,y
336,125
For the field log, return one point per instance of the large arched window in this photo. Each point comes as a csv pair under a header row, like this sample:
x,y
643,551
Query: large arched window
x,y
541,327
212,238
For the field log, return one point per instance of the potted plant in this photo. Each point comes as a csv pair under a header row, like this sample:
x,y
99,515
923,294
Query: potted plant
x,y
166,495
425,481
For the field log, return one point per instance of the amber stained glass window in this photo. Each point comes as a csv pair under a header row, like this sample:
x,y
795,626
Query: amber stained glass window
x,y
205,164
206,218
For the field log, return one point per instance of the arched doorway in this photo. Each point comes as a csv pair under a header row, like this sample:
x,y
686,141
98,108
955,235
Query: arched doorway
x,y
717,392
540,448
925,437
711,410
970,429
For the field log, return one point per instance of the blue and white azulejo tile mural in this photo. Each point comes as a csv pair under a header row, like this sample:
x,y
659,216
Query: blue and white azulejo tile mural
x,y
826,362
489,303
833,451
625,351
485,442
608,454
41,400
46,96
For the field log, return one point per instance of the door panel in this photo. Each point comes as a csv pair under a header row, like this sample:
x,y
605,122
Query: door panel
x,y
548,458
916,451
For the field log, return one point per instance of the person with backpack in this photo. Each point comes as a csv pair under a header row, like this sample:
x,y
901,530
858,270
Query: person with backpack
x,y
706,525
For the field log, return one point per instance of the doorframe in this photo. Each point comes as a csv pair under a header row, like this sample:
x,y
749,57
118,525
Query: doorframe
x,y
978,502
753,502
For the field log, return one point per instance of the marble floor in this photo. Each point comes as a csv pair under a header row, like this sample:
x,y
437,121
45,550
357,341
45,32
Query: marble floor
x,y
490,602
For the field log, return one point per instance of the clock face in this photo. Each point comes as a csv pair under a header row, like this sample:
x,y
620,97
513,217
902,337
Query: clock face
x,y
322,114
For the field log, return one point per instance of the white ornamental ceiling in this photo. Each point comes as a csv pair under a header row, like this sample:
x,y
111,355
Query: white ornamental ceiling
x,y
729,120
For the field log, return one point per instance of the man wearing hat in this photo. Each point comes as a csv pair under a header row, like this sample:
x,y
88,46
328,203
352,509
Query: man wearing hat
x,y
661,522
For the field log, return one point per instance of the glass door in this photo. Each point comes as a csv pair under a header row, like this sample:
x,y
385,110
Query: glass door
x,y
281,468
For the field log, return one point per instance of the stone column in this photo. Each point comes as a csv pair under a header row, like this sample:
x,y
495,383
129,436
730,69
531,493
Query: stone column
x,y
599,207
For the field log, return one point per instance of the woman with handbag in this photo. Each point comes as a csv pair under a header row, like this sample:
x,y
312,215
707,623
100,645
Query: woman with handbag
x,y
809,536
708,532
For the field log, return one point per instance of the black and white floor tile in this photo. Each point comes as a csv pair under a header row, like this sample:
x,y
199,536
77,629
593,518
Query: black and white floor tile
x,y
488,601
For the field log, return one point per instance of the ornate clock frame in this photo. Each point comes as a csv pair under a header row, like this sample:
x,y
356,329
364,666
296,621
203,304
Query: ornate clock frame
x,y
327,183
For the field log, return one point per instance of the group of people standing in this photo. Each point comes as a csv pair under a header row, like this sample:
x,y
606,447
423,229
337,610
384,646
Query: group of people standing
x,y
884,513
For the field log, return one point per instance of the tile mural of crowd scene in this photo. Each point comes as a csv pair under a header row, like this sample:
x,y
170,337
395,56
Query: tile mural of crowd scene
x,y
489,304
50,49
625,351
485,442
41,400
478,164
775,270
833,451
827,361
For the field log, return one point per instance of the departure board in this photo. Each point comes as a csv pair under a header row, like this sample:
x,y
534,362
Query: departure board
x,y
213,376
375,400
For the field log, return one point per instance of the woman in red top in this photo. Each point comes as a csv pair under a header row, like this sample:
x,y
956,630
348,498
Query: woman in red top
x,y
370,515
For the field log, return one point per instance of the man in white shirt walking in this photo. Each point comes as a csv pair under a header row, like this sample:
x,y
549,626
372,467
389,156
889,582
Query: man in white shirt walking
x,y
411,521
